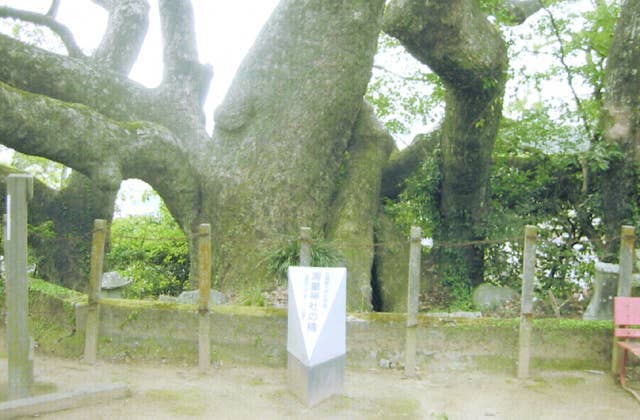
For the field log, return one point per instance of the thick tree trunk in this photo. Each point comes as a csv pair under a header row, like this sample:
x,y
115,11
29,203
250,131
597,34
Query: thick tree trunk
x,y
353,213
457,41
282,133
62,255
61,227
287,138
621,124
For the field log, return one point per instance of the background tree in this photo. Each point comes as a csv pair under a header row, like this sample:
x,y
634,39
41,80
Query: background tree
x,y
457,41
153,252
543,140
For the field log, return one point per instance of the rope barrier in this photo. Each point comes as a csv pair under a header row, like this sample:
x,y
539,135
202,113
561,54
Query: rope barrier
x,y
114,239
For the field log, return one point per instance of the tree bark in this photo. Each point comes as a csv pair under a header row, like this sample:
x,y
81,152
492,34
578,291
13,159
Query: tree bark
x,y
455,39
49,121
621,123
278,156
351,227
293,144
282,131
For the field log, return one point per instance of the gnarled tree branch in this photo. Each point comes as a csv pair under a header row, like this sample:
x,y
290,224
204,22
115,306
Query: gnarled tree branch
x,y
45,20
53,9
72,80
455,39
126,30
519,10
404,163
183,71
105,150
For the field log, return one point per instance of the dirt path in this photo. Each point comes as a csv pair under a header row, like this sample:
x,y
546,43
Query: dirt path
x,y
232,392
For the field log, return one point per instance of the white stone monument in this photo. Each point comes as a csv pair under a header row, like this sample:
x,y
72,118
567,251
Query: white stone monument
x,y
316,335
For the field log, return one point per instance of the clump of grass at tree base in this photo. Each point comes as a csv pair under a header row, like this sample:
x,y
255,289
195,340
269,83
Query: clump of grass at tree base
x,y
278,260
253,296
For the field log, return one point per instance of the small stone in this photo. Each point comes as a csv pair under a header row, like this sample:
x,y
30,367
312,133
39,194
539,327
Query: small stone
x,y
384,363
488,297
192,297
114,280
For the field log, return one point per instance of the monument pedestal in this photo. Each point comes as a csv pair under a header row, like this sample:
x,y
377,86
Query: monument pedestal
x,y
316,333
313,385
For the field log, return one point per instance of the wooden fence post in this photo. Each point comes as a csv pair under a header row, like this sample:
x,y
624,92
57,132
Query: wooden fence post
x,y
413,294
627,253
526,317
305,247
93,292
19,349
204,287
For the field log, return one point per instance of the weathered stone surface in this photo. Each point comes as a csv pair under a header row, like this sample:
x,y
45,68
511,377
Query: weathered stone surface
x,y
114,280
488,297
113,283
43,404
146,330
605,287
192,296
458,314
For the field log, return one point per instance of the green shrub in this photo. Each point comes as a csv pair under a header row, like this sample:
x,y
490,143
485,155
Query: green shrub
x,y
151,250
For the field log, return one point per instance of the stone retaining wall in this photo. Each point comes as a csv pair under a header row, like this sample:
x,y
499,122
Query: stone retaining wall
x,y
144,330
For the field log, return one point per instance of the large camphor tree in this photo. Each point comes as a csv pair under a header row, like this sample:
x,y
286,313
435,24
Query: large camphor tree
x,y
294,143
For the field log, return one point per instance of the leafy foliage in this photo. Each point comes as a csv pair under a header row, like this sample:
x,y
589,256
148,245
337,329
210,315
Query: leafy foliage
x,y
404,92
153,251
53,174
419,202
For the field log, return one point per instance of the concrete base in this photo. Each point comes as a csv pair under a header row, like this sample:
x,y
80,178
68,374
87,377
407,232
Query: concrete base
x,y
61,401
605,288
314,384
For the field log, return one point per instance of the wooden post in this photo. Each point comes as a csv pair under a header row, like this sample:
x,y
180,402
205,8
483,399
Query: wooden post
x,y
627,253
204,286
526,317
305,247
20,356
413,294
95,286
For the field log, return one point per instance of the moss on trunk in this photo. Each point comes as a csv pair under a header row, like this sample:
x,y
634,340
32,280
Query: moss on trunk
x,y
282,132
458,42
351,225
621,122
